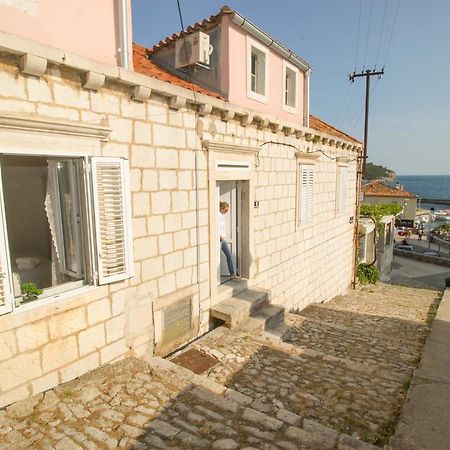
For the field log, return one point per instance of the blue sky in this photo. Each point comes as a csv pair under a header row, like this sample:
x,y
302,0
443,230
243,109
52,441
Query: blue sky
x,y
409,129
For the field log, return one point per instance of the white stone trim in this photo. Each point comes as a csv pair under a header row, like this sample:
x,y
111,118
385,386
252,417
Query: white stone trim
x,y
227,115
33,65
177,102
140,93
307,157
10,43
93,81
47,126
205,109
223,147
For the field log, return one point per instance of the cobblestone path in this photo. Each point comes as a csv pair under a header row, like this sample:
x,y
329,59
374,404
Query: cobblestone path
x,y
341,377
347,364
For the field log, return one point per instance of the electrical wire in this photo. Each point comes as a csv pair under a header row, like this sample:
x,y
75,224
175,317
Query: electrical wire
x,y
368,33
392,33
381,32
296,148
357,35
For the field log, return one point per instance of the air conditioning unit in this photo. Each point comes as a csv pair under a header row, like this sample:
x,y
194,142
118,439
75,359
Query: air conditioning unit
x,y
192,49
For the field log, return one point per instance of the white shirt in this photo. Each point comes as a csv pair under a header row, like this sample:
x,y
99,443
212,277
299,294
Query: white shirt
x,y
222,226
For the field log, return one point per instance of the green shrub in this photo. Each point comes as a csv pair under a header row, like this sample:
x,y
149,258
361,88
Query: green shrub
x,y
368,274
30,292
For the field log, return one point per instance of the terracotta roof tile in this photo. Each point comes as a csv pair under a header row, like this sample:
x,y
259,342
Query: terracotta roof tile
x,y
320,125
142,64
379,189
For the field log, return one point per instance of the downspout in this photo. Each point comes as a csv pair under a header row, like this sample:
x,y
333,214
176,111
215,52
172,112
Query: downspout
x,y
306,99
359,172
124,59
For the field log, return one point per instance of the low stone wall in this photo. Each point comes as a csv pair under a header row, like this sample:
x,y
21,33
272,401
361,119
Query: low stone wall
x,y
419,257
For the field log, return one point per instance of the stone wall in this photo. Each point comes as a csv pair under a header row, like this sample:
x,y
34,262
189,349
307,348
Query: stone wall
x,y
54,341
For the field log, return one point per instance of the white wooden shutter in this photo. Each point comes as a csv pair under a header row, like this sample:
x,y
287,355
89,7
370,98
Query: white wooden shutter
x,y
342,189
6,296
112,214
306,197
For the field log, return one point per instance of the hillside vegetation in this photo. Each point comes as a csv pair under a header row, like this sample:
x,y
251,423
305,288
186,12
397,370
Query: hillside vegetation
x,y
373,171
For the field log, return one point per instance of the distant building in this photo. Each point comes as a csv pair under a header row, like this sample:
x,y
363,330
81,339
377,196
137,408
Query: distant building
x,y
378,193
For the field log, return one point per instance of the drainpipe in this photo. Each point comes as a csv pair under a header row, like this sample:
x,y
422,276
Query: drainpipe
x,y
124,59
306,99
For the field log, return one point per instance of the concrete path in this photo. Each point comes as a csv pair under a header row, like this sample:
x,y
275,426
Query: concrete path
x,y
411,270
425,421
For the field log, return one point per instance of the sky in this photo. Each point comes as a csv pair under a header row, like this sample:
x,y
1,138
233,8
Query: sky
x,y
409,120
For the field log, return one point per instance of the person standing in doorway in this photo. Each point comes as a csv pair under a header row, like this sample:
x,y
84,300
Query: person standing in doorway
x,y
224,207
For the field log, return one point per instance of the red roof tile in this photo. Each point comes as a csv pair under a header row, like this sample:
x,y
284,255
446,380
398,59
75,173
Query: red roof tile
x,y
320,125
142,64
379,189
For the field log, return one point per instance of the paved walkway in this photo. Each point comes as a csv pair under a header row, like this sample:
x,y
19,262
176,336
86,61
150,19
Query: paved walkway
x,y
425,420
340,380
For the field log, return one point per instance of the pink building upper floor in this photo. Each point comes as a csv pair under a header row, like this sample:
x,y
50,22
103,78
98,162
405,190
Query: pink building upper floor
x,y
247,67
89,28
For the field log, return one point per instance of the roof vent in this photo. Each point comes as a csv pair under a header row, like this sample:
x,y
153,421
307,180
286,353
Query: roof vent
x,y
192,49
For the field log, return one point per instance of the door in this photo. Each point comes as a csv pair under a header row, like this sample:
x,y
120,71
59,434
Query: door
x,y
229,192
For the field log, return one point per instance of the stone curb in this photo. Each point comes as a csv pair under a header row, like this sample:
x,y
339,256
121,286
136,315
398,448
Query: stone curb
x,y
305,430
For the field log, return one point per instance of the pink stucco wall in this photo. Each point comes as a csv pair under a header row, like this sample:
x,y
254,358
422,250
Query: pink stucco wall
x,y
235,64
85,27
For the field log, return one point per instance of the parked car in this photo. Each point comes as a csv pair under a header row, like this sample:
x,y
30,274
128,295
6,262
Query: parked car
x,y
431,253
407,248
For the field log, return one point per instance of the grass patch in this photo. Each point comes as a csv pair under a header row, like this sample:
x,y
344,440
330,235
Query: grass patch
x,y
407,383
432,311
387,429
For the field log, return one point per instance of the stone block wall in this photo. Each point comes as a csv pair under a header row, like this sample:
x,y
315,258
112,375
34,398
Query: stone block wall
x,y
48,343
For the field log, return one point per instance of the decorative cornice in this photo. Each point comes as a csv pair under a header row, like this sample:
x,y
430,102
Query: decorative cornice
x,y
33,65
227,115
204,109
177,102
307,155
246,119
214,146
140,93
46,126
343,159
93,81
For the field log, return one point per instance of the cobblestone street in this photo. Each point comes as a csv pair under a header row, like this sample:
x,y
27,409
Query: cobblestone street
x,y
339,380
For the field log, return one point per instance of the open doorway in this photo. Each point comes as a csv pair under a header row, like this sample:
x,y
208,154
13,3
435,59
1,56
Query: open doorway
x,y
234,226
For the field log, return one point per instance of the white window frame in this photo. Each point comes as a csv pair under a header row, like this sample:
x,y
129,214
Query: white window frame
x,y
342,177
284,105
263,98
59,139
305,195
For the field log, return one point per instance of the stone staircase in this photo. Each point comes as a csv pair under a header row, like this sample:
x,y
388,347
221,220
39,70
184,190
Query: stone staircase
x,y
250,310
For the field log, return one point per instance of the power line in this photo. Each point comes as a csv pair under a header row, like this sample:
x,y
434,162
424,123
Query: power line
x,y
381,32
357,36
392,33
368,33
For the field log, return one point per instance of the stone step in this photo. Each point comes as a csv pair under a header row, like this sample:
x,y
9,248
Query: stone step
x,y
236,309
264,318
245,418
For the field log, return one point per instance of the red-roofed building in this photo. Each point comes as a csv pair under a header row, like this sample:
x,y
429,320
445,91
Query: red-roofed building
x,y
378,193
112,173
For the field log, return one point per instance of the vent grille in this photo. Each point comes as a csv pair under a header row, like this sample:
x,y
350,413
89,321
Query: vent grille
x,y
177,320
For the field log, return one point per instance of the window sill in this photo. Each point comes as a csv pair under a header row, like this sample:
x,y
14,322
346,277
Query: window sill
x,y
289,109
48,307
257,97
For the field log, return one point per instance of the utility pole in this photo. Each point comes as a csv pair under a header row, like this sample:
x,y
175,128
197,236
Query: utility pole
x,y
361,167
368,73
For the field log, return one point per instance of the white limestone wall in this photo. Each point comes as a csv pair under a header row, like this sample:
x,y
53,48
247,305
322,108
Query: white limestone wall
x,y
49,343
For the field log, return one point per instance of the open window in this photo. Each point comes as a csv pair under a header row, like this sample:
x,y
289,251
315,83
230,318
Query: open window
x,y
290,77
47,208
257,71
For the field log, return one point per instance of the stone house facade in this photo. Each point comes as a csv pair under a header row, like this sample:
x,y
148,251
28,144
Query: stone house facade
x,y
121,173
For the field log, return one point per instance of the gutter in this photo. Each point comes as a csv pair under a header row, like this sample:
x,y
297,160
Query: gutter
x,y
266,39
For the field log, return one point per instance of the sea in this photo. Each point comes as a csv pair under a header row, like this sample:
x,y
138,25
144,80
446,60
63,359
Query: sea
x,y
427,186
